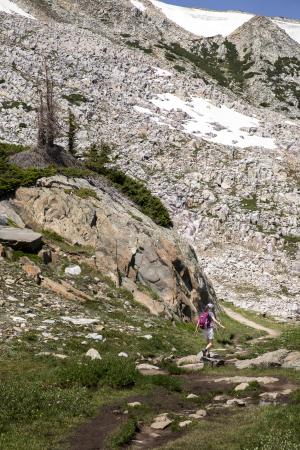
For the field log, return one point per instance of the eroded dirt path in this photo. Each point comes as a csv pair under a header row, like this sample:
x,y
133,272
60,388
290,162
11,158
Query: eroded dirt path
x,y
250,323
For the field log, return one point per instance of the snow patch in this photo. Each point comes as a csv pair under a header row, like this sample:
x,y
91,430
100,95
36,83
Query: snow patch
x,y
218,124
202,22
138,5
10,8
142,110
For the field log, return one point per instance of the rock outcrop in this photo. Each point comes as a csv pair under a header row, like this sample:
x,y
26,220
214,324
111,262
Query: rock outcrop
x,y
21,239
128,245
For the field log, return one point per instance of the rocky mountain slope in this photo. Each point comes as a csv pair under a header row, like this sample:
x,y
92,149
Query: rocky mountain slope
x,y
211,127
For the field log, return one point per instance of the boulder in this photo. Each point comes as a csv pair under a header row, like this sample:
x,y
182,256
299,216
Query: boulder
x,y
73,270
21,239
278,358
193,367
125,241
93,354
161,422
191,359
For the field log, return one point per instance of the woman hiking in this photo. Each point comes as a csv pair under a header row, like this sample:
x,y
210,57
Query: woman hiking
x,y
207,322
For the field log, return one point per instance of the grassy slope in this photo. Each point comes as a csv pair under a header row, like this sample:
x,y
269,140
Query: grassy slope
x,y
42,398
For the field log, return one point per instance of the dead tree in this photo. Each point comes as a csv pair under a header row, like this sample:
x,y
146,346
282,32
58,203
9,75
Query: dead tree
x,y
47,122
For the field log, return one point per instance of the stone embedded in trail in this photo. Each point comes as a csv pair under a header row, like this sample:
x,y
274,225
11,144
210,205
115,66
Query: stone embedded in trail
x,y
200,414
21,239
146,366
161,422
269,395
237,379
134,404
93,354
184,424
193,367
241,387
236,402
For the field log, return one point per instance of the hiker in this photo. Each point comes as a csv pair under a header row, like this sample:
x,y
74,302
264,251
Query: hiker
x,y
206,322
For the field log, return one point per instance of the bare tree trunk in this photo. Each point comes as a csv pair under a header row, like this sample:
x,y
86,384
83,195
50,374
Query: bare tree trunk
x,y
47,121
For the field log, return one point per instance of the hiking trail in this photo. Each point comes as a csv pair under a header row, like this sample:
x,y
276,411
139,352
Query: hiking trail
x,y
241,319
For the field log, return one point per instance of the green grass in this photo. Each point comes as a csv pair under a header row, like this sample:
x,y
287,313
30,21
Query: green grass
x,y
249,204
123,435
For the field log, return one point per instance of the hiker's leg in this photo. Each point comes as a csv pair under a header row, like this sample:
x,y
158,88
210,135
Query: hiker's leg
x,y
209,344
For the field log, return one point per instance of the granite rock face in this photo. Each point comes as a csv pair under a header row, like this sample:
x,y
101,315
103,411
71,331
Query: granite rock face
x,y
127,244
233,193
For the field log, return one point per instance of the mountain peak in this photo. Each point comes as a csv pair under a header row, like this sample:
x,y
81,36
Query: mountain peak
x,y
264,37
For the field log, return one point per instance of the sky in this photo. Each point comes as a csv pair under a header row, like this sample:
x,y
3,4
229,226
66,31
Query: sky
x,y
285,8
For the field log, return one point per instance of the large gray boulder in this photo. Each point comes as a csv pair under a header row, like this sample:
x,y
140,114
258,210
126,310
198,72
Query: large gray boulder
x,y
128,245
278,358
21,239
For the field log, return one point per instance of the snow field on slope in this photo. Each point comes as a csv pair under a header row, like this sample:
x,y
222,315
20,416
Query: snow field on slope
x,y
220,125
10,8
138,5
211,23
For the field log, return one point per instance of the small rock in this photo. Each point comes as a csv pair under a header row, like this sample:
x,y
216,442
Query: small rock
x,y
93,354
134,404
190,396
241,387
73,270
146,366
147,336
95,336
221,398
161,422
200,414
269,395
184,424
236,402
123,355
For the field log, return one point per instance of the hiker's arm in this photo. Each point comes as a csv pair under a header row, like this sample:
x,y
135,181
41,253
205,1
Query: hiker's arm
x,y
218,323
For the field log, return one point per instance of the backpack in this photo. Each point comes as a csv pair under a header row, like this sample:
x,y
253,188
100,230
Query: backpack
x,y
204,320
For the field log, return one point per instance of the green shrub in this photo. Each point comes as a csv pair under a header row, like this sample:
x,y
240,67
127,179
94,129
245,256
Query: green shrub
x,y
135,190
136,44
123,435
179,68
170,383
16,104
110,371
24,402
85,193
75,98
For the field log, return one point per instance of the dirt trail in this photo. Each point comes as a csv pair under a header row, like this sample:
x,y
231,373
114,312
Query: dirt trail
x,y
239,318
